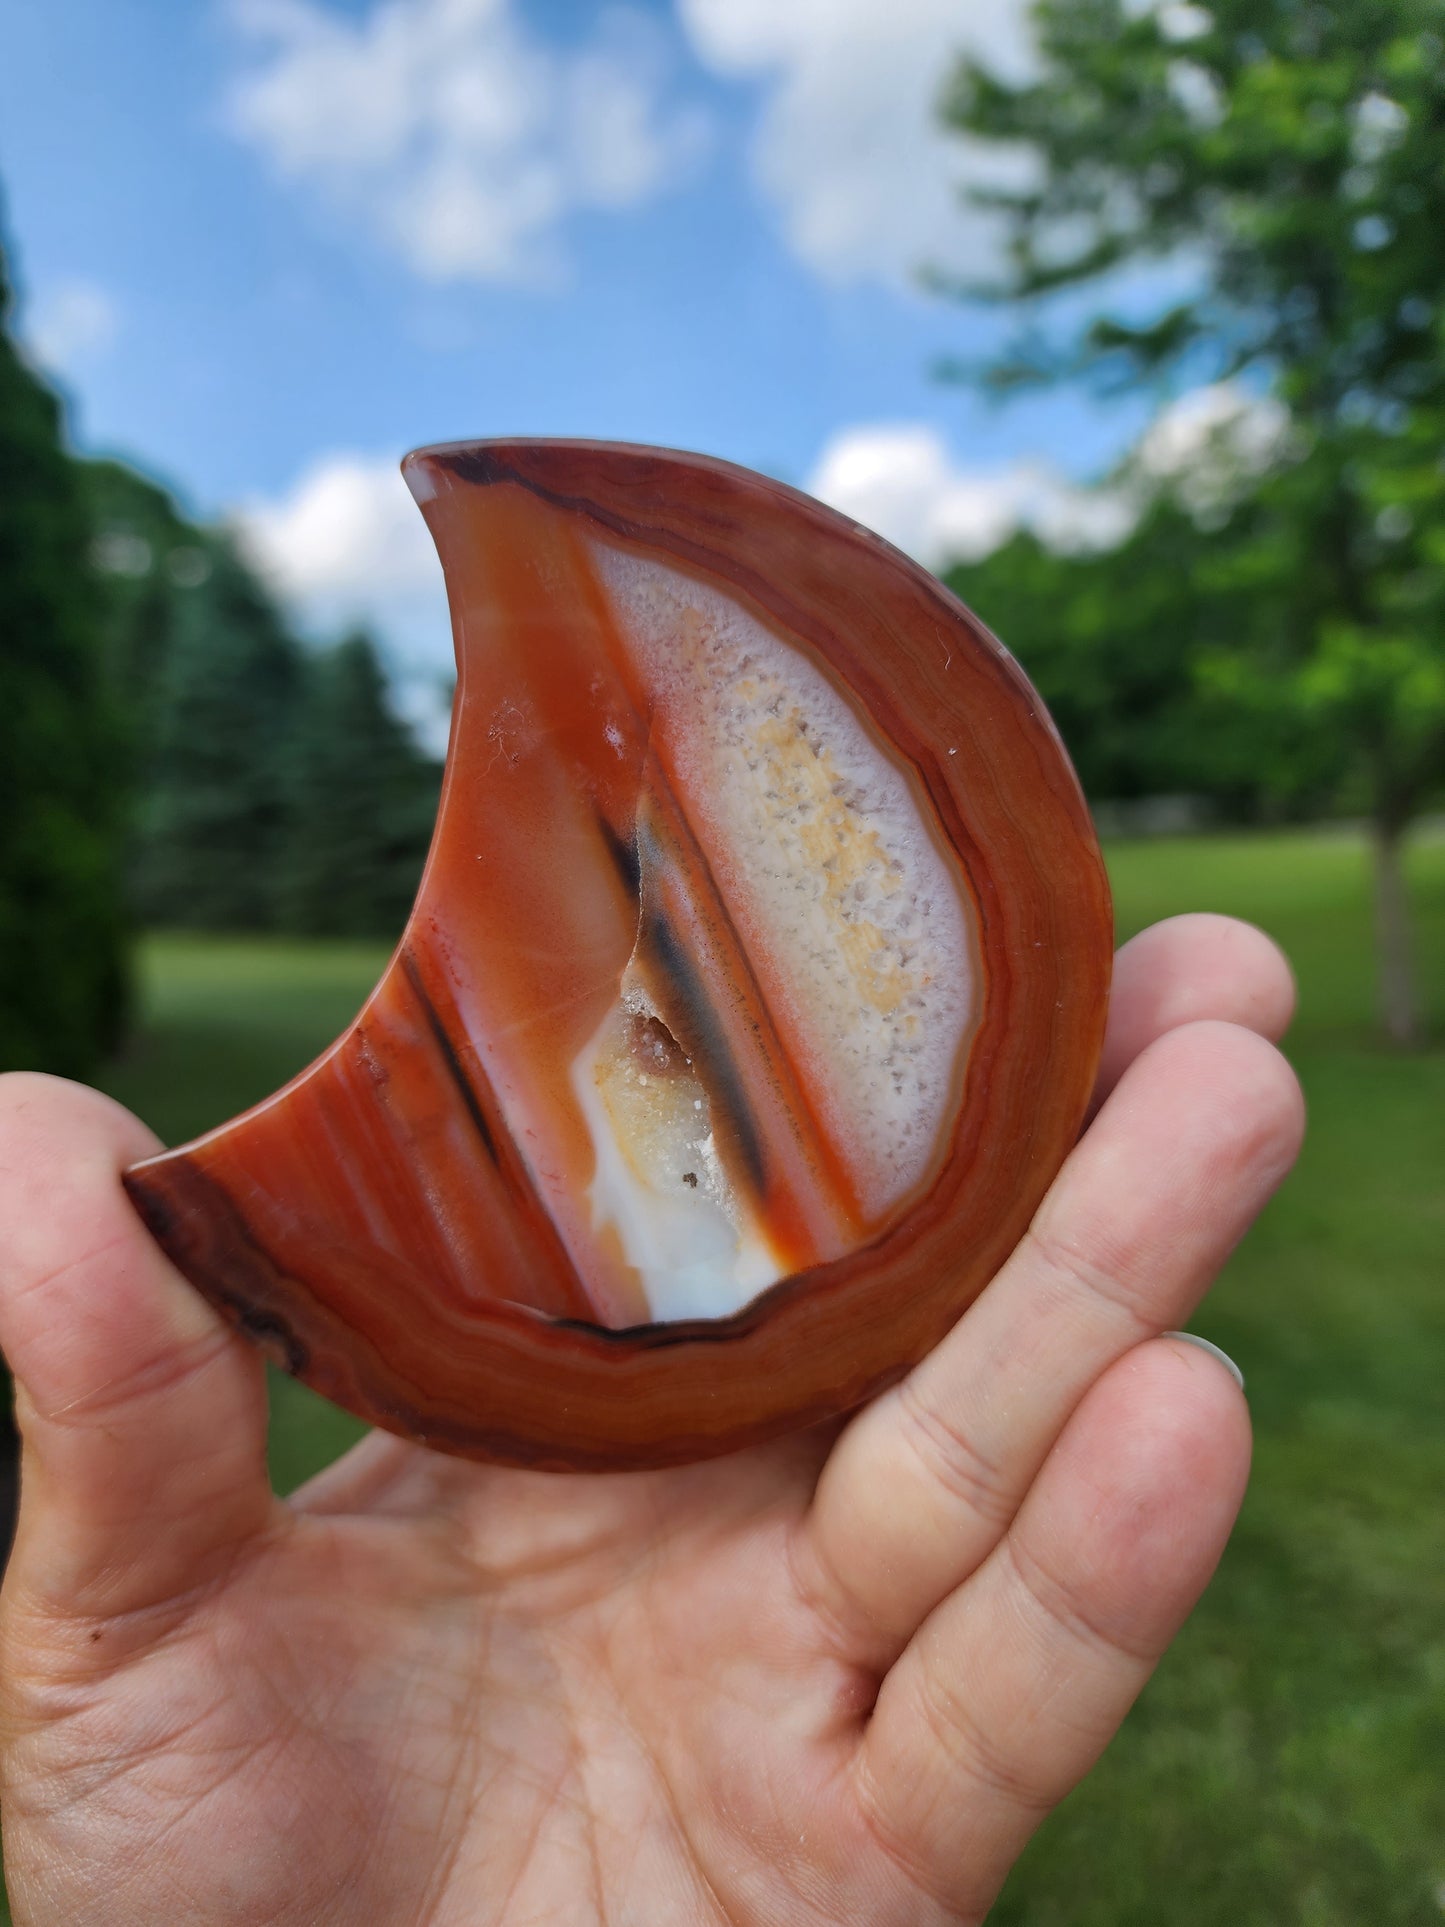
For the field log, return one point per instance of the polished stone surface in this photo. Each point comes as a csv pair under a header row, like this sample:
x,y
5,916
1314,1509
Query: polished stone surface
x,y
753,992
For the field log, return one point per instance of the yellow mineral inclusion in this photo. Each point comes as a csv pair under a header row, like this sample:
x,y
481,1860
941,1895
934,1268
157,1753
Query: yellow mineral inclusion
x,y
658,1184
844,850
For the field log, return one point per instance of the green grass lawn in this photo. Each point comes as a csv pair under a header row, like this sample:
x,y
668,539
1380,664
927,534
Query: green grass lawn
x,y
1288,1763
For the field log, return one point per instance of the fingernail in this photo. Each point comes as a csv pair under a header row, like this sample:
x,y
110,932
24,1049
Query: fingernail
x,y
1193,1338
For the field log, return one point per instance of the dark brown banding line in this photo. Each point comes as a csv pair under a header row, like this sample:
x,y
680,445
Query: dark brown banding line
x,y
173,1222
272,1335
447,1051
480,465
818,1146
626,859
503,1153
703,1036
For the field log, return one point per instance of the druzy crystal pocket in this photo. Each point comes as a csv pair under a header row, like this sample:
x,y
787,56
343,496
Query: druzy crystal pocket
x,y
752,995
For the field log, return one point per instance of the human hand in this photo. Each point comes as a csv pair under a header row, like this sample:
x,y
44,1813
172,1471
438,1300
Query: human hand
x,y
839,1678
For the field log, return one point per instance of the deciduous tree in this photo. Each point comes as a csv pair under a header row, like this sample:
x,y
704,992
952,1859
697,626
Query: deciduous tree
x,y
1281,165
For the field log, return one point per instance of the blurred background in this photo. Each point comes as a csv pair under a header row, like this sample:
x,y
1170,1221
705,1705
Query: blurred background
x,y
1127,318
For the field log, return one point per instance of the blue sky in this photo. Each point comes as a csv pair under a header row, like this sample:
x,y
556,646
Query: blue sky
x,y
268,245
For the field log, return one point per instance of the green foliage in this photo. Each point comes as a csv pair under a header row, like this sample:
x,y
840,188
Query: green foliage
x,y
1291,154
214,818
1283,163
1334,657
1172,663
146,554
1112,640
363,802
63,928
275,789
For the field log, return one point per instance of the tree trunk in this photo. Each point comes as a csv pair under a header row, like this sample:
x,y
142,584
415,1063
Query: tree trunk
x,y
1392,937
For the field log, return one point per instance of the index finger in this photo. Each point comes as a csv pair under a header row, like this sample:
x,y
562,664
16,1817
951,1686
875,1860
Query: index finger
x,y
1186,969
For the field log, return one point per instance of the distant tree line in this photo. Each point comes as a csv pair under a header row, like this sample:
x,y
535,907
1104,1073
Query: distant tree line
x,y
1131,647
1111,640
171,753
274,787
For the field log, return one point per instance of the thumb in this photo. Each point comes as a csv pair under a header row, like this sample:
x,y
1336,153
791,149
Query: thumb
x,y
143,1418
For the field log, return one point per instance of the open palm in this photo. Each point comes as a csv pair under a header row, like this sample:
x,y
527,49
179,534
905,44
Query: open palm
x,y
840,1678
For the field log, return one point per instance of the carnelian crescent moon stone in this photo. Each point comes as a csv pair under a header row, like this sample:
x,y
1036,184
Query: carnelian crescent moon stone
x,y
753,994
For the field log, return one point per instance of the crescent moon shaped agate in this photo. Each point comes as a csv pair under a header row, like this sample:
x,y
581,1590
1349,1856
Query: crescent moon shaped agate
x,y
752,996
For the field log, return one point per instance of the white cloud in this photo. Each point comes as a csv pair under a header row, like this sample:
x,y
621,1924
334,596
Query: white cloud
x,y
347,544
1178,20
902,483
71,323
848,145
1209,442
345,536
459,137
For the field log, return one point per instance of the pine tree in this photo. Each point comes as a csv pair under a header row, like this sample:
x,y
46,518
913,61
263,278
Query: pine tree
x,y
149,559
62,766
364,799
214,816
276,788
